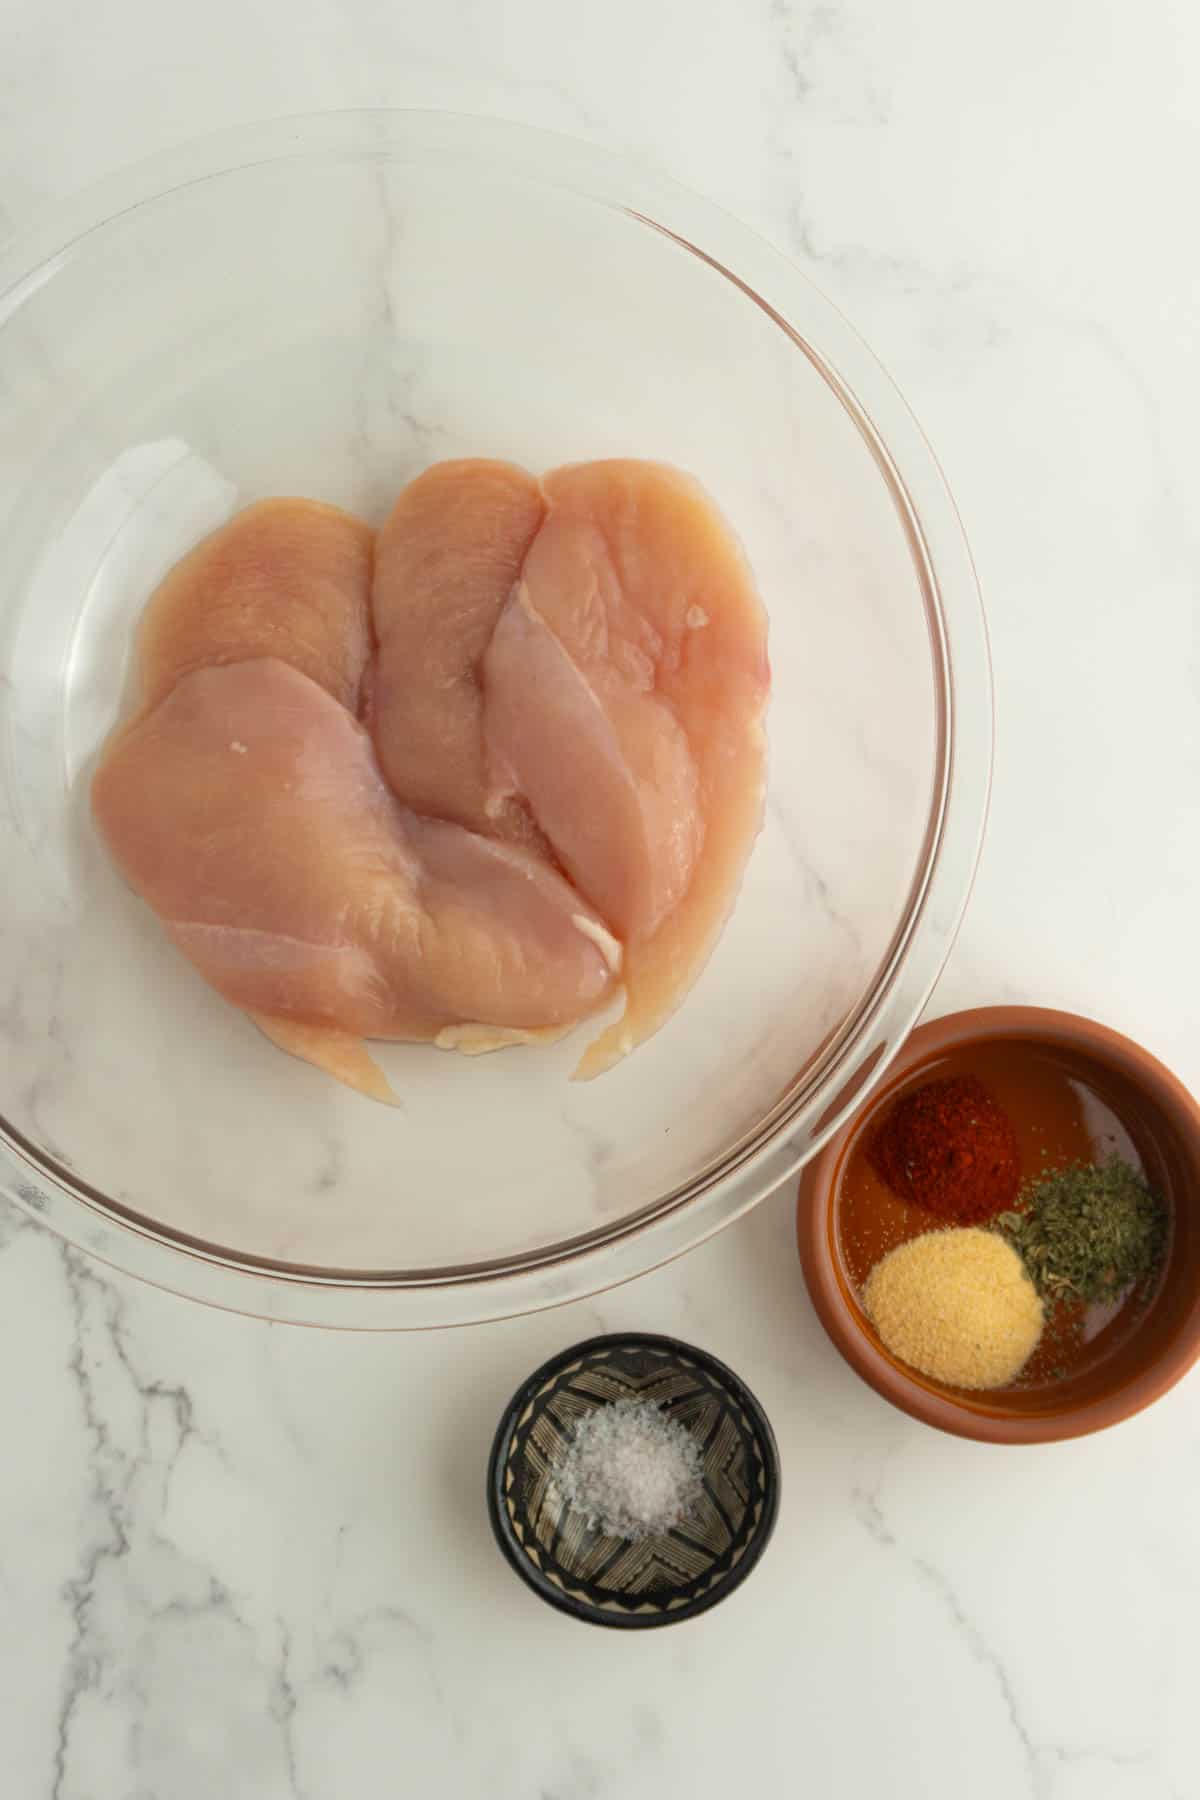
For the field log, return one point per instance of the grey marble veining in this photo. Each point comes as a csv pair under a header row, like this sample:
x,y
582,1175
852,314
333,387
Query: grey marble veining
x,y
254,1561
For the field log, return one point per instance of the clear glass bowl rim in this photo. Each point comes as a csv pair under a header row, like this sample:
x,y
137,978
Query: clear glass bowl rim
x,y
859,1052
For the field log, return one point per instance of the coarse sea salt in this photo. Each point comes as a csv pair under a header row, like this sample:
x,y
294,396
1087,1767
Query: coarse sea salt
x,y
630,1470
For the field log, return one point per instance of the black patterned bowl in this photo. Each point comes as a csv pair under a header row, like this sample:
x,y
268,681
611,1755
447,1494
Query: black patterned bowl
x,y
656,1580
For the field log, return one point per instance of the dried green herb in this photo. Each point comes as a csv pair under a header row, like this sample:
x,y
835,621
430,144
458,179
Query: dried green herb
x,y
1088,1232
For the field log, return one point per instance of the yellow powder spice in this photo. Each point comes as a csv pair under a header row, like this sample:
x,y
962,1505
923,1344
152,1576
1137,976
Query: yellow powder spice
x,y
958,1306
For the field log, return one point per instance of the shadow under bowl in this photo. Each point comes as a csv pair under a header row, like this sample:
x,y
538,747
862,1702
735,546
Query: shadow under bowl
x,y
1161,1122
672,1575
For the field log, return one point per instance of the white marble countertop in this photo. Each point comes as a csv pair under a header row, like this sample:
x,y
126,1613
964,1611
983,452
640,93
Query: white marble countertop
x,y
254,1561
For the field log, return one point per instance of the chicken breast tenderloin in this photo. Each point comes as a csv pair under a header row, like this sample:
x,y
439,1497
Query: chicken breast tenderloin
x,y
624,696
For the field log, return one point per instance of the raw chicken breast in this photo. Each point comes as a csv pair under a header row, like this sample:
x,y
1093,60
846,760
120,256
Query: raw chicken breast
x,y
248,810
246,806
290,578
285,578
624,694
576,726
446,561
570,676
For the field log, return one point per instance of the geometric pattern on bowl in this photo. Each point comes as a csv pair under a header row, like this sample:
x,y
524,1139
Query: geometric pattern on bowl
x,y
668,1576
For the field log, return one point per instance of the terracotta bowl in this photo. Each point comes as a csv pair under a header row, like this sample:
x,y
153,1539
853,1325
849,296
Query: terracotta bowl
x,y
1163,1123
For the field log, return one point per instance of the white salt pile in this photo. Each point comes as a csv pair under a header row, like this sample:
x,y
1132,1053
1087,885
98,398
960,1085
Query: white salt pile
x,y
630,1470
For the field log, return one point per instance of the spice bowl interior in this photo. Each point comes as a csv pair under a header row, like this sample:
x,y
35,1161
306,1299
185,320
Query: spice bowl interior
x,y
569,1560
1078,1094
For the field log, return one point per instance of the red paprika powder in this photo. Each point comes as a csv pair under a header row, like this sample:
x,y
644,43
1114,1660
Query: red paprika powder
x,y
950,1148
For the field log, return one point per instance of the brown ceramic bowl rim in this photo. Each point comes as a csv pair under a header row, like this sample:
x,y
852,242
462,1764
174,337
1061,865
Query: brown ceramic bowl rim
x,y
1036,1024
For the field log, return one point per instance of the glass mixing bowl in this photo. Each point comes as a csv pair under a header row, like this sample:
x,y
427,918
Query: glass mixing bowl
x,y
323,307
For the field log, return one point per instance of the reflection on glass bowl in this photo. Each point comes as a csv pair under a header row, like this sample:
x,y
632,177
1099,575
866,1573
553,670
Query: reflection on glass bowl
x,y
323,307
